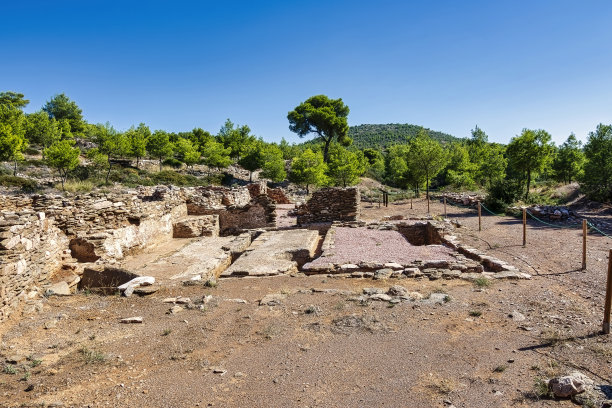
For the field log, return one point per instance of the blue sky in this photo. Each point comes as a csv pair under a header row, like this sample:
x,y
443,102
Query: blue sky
x,y
446,65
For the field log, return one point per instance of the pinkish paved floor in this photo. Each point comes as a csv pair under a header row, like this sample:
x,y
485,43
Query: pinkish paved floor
x,y
355,245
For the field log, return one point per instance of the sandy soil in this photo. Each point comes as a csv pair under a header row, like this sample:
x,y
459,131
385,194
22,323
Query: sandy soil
x,y
321,348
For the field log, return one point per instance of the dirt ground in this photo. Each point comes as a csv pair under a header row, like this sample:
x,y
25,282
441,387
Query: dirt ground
x,y
322,348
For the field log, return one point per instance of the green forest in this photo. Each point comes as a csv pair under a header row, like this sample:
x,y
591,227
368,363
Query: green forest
x,y
85,156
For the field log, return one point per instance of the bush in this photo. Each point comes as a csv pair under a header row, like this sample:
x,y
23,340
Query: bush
x,y
77,186
26,185
503,193
174,163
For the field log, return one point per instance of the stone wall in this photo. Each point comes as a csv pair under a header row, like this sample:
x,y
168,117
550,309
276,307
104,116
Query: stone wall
x,y
330,204
31,249
278,196
196,226
236,213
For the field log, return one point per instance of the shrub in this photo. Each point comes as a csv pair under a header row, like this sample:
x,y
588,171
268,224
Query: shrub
x,y
174,163
26,185
503,193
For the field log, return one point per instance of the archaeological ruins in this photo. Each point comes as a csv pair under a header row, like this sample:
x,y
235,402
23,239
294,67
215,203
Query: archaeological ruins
x,y
55,244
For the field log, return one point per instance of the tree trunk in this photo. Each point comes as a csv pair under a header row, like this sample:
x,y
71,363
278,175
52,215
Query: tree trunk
x,y
15,168
137,161
427,184
326,149
109,170
528,183
307,192
250,176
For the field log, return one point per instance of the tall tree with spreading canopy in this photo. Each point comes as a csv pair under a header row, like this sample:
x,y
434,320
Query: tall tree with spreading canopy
x,y
214,154
308,169
598,166
61,107
325,117
529,153
14,99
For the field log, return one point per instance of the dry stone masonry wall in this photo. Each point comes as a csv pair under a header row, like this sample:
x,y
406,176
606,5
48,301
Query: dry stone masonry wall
x,y
329,205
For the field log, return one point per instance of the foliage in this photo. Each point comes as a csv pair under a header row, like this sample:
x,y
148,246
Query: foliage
x,y
325,117
238,139
214,154
569,160
459,170
502,193
41,129
186,152
62,156
344,166
488,158
159,146
375,164
12,134
253,158
138,138
308,168
14,99
426,158
529,153
26,185
61,107
382,137
289,150
274,164
598,166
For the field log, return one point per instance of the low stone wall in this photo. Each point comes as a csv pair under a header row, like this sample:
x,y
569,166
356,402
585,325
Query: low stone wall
x,y
278,196
31,249
236,215
329,205
196,226
257,189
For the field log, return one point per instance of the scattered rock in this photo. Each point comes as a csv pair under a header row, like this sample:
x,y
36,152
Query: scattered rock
x,y
130,320
50,324
372,291
516,316
272,299
383,273
175,309
380,296
569,385
397,290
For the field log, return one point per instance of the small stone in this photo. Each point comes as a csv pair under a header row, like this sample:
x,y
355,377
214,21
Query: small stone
x,y
380,296
516,316
372,291
50,324
130,320
383,273
175,309
219,370
568,386
272,299
397,290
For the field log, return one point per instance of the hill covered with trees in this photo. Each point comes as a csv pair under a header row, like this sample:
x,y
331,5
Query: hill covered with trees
x,y
385,136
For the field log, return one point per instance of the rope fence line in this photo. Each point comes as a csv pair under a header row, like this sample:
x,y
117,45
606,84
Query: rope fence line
x,y
589,223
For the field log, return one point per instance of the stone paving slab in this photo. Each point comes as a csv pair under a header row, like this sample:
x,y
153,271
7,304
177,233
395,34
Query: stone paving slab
x,y
275,252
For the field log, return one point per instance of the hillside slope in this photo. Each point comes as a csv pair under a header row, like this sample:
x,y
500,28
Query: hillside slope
x,y
382,136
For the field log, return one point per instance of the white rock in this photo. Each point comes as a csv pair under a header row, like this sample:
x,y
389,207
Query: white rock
x,y
139,281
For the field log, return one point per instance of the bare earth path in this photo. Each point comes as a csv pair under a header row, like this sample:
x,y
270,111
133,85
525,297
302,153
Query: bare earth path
x,y
321,348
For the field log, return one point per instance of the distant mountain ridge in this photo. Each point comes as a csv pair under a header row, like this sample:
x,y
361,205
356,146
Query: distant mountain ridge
x,y
383,136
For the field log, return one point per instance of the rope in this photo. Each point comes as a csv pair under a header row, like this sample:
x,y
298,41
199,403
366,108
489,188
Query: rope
x,y
491,212
598,230
546,223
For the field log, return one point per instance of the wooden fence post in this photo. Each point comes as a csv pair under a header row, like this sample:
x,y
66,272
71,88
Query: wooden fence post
x,y
427,202
445,206
411,203
584,246
524,226
606,321
479,217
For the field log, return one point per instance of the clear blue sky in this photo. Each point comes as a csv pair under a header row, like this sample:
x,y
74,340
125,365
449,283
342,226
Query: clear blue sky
x,y
446,65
